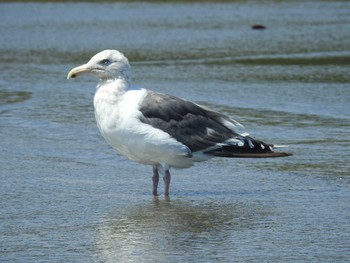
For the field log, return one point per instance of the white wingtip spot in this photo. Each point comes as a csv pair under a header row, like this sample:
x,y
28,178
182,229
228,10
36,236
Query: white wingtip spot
x,y
251,145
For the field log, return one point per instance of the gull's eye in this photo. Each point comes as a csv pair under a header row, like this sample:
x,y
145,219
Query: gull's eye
x,y
105,61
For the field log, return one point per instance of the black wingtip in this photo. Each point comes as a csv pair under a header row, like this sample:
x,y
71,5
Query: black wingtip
x,y
252,155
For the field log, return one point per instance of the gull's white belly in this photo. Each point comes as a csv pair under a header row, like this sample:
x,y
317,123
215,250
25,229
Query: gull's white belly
x,y
155,148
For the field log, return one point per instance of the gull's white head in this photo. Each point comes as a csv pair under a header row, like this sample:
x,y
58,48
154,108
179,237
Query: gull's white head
x,y
106,65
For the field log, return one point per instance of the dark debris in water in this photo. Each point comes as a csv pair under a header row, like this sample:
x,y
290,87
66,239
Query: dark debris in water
x,y
258,27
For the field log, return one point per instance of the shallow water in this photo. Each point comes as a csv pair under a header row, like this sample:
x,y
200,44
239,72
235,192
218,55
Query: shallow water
x,y
66,195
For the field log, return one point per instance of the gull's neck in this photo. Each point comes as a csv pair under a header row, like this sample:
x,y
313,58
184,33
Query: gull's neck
x,y
114,85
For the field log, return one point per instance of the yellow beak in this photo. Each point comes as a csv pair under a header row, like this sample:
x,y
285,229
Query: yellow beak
x,y
77,71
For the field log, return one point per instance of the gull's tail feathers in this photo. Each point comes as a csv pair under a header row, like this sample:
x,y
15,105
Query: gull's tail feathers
x,y
252,155
246,147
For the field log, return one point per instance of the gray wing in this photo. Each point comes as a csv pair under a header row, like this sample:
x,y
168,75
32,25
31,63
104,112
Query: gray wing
x,y
196,127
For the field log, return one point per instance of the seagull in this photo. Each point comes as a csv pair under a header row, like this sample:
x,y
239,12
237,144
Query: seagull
x,y
161,130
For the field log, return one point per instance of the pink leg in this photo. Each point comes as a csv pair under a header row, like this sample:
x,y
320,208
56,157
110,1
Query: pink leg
x,y
167,179
155,180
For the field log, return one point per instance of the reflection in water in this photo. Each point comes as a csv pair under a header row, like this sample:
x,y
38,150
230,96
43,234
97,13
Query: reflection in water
x,y
173,230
